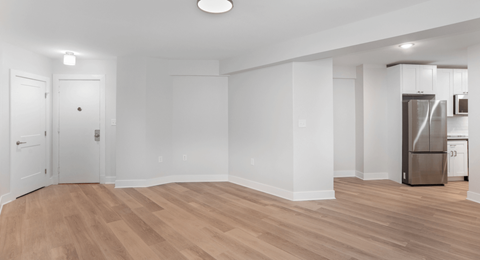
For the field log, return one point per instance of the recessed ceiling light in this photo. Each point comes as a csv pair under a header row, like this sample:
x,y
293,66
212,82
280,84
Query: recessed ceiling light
x,y
69,59
406,45
215,6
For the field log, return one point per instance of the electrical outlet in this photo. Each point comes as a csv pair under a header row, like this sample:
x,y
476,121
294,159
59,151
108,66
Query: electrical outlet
x,y
252,161
184,157
302,123
114,122
160,158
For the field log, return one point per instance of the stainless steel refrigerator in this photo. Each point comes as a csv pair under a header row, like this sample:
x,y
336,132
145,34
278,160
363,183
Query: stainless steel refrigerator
x,y
424,142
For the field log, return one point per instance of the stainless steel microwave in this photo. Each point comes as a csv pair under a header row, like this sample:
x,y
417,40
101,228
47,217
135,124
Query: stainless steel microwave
x,y
461,104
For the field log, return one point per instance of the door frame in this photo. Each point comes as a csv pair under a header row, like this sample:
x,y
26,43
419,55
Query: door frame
x,y
57,78
48,179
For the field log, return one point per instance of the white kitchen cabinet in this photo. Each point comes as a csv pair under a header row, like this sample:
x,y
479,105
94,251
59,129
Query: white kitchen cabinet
x,y
457,158
418,79
460,81
445,88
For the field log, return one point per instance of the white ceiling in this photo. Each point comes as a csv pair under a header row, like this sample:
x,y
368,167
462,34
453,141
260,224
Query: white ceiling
x,y
173,28
447,51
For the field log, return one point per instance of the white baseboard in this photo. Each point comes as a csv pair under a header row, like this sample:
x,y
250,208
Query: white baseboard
x,y
285,194
169,179
261,187
4,199
110,179
473,196
359,175
314,195
371,176
343,174
54,180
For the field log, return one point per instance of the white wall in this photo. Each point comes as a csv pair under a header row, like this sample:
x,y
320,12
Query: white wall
x,y
158,124
394,123
164,115
375,116
344,127
200,125
109,69
313,145
359,123
265,106
131,118
260,106
371,118
474,122
16,58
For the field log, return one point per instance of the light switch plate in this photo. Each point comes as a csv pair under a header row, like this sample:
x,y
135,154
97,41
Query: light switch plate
x,y
160,158
114,121
302,123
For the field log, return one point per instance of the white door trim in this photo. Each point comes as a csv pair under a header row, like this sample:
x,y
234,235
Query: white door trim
x,y
13,73
57,78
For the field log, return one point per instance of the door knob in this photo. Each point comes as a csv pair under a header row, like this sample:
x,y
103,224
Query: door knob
x,y
19,143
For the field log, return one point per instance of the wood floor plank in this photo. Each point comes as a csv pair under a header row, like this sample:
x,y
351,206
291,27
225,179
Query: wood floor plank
x,y
142,229
108,242
166,251
87,247
368,220
65,252
145,201
55,226
132,242
35,238
100,203
171,235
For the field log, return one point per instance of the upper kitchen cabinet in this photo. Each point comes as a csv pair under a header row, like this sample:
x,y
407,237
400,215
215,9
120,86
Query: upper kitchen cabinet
x,y
418,79
460,81
445,88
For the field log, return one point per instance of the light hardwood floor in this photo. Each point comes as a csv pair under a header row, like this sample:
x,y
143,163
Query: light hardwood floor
x,y
369,220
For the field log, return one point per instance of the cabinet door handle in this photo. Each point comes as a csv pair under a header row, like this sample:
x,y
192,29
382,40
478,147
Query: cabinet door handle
x,y
451,153
455,153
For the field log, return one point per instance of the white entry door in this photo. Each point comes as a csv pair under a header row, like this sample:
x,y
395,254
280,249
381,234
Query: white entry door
x,y
79,131
28,136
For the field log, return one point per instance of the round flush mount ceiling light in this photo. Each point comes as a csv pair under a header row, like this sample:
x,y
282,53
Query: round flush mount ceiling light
x,y
406,45
215,6
69,59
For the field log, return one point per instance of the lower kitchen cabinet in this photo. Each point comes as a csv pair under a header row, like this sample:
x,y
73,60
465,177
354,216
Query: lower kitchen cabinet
x,y
457,158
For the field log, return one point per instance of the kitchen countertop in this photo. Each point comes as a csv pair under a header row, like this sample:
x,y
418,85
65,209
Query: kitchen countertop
x,y
457,137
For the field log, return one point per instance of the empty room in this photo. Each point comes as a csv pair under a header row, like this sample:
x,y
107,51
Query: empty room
x,y
239,129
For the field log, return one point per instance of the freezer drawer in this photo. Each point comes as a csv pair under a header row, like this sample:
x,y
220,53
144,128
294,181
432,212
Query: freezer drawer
x,y
427,168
